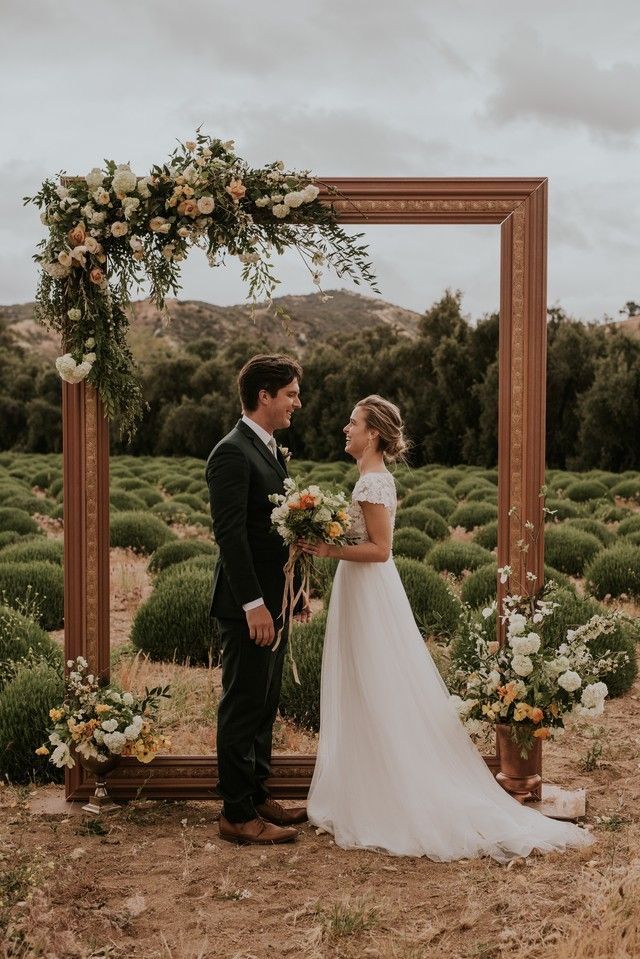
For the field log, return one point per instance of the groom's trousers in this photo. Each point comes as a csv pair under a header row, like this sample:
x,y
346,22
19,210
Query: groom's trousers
x,y
251,682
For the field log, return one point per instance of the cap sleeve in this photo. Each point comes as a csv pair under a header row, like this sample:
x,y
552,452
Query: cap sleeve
x,y
376,488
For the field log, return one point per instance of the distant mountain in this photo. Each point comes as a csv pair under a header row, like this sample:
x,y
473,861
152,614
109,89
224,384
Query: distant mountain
x,y
311,320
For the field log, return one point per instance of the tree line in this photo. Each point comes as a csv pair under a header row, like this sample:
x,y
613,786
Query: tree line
x,y
445,381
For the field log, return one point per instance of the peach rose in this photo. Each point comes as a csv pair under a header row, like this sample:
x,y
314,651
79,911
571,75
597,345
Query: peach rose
x,y
97,276
92,244
119,228
543,733
78,235
536,715
206,204
236,189
188,208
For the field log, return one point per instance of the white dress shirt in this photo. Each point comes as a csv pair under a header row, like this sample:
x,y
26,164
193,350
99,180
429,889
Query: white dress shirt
x,y
269,441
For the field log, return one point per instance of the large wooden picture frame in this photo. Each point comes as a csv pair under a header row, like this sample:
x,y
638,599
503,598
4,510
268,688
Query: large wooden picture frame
x,y
519,206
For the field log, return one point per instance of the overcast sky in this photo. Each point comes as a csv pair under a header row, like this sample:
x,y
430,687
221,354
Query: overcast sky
x,y
345,87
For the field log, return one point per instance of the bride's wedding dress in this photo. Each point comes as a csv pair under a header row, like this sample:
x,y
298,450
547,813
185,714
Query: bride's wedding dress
x,y
396,770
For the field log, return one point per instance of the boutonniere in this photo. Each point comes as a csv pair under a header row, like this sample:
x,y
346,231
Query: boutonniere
x,y
285,453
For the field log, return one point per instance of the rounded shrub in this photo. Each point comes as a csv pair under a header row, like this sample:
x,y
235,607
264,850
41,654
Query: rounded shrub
x,y
171,512
629,525
410,542
570,549
471,515
175,483
609,513
24,719
201,562
149,495
55,488
424,519
582,490
633,538
174,623
571,611
480,587
29,503
43,478
454,557
560,509
199,519
435,608
465,486
301,702
443,505
627,489
131,484
614,572
19,634
122,501
483,494
177,551
594,526
49,550
624,639
140,532
17,520
21,582
195,503
487,535
8,537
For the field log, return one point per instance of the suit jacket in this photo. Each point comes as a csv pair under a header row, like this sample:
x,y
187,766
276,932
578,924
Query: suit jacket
x,y
241,473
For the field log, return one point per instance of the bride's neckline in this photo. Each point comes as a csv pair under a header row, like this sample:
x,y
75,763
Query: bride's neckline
x,y
375,473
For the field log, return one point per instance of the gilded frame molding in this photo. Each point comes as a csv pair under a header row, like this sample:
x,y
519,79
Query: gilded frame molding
x,y
519,207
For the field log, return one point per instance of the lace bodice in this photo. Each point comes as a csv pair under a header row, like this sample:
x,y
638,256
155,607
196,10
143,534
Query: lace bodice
x,y
370,488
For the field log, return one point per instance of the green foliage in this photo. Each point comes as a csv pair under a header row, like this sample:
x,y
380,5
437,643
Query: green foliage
x,y
172,512
122,501
471,515
624,639
487,536
301,703
456,557
434,606
50,550
572,611
174,623
590,525
560,509
629,525
412,543
627,489
18,635
8,537
611,514
201,563
17,520
148,495
581,490
614,572
177,551
470,484
424,519
24,718
140,532
21,582
570,549
479,588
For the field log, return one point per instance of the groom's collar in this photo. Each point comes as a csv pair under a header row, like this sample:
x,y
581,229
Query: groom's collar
x,y
257,429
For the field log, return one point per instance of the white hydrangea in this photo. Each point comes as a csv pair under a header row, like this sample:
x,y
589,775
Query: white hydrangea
x,y
109,725
280,210
133,730
263,201
462,706
294,199
95,178
517,623
127,699
143,188
493,681
522,665
124,180
309,193
115,742
129,206
70,371
594,695
570,680
525,645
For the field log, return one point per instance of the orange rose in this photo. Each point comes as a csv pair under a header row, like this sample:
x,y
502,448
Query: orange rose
x,y
96,276
188,208
307,501
236,189
536,715
78,235
543,733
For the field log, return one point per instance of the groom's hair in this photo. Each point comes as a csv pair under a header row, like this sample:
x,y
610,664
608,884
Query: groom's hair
x,y
267,371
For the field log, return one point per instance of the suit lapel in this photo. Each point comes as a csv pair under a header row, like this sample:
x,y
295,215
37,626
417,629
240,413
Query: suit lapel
x,y
266,454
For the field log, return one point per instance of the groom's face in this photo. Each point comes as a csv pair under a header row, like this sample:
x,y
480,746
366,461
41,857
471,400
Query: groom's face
x,y
279,408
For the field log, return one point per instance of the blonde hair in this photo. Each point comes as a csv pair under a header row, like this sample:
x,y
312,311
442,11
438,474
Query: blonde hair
x,y
384,417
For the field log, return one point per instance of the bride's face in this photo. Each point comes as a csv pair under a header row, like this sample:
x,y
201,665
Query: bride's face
x,y
359,435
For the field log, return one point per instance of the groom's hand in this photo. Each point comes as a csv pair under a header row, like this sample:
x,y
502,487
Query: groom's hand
x,y
261,628
304,616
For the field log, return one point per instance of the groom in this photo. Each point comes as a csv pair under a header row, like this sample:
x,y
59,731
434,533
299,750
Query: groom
x,y
242,471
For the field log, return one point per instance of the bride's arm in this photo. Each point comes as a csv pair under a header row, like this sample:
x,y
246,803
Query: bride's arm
x,y
378,550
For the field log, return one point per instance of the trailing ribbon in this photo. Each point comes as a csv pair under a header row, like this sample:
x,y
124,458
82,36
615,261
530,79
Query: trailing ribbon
x,y
290,597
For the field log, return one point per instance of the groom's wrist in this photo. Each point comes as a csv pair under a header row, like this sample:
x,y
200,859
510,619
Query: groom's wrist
x,y
253,604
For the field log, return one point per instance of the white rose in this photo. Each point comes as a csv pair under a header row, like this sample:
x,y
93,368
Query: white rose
x,y
91,244
119,228
143,188
64,258
570,680
101,196
206,204
168,251
522,665
280,210
89,358
62,757
95,178
493,681
294,199
309,193
98,218
158,224
56,270
190,174
129,205
124,181
74,315
127,699
183,232
263,201
62,192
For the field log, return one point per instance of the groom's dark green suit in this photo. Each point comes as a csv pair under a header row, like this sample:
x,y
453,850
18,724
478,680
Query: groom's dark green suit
x,y
241,474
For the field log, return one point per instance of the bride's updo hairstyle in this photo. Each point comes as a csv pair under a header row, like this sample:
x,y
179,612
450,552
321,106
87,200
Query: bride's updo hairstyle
x,y
384,417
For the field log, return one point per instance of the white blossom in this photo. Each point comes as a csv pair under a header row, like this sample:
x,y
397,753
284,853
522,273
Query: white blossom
x,y
124,180
570,680
95,178
522,665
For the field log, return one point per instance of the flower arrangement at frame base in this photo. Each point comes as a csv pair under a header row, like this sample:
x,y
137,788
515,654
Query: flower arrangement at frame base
x,y
529,685
313,515
97,725
112,230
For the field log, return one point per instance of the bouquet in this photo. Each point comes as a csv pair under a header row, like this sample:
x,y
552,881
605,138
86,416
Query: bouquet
x,y
97,722
309,514
530,683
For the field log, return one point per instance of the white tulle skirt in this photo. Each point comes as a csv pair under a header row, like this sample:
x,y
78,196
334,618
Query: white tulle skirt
x,y
396,771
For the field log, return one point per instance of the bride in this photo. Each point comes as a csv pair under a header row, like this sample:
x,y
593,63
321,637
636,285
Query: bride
x,y
396,770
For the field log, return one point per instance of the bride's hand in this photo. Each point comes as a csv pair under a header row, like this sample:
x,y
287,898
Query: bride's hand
x,y
314,549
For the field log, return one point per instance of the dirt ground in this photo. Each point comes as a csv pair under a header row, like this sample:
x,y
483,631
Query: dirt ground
x,y
154,881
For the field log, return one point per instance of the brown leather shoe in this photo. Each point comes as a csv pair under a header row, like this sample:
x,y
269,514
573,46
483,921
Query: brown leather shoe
x,y
255,831
274,812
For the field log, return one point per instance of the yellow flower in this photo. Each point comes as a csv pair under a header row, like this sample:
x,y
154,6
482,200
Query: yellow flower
x,y
42,751
56,714
522,711
342,515
333,530
103,708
